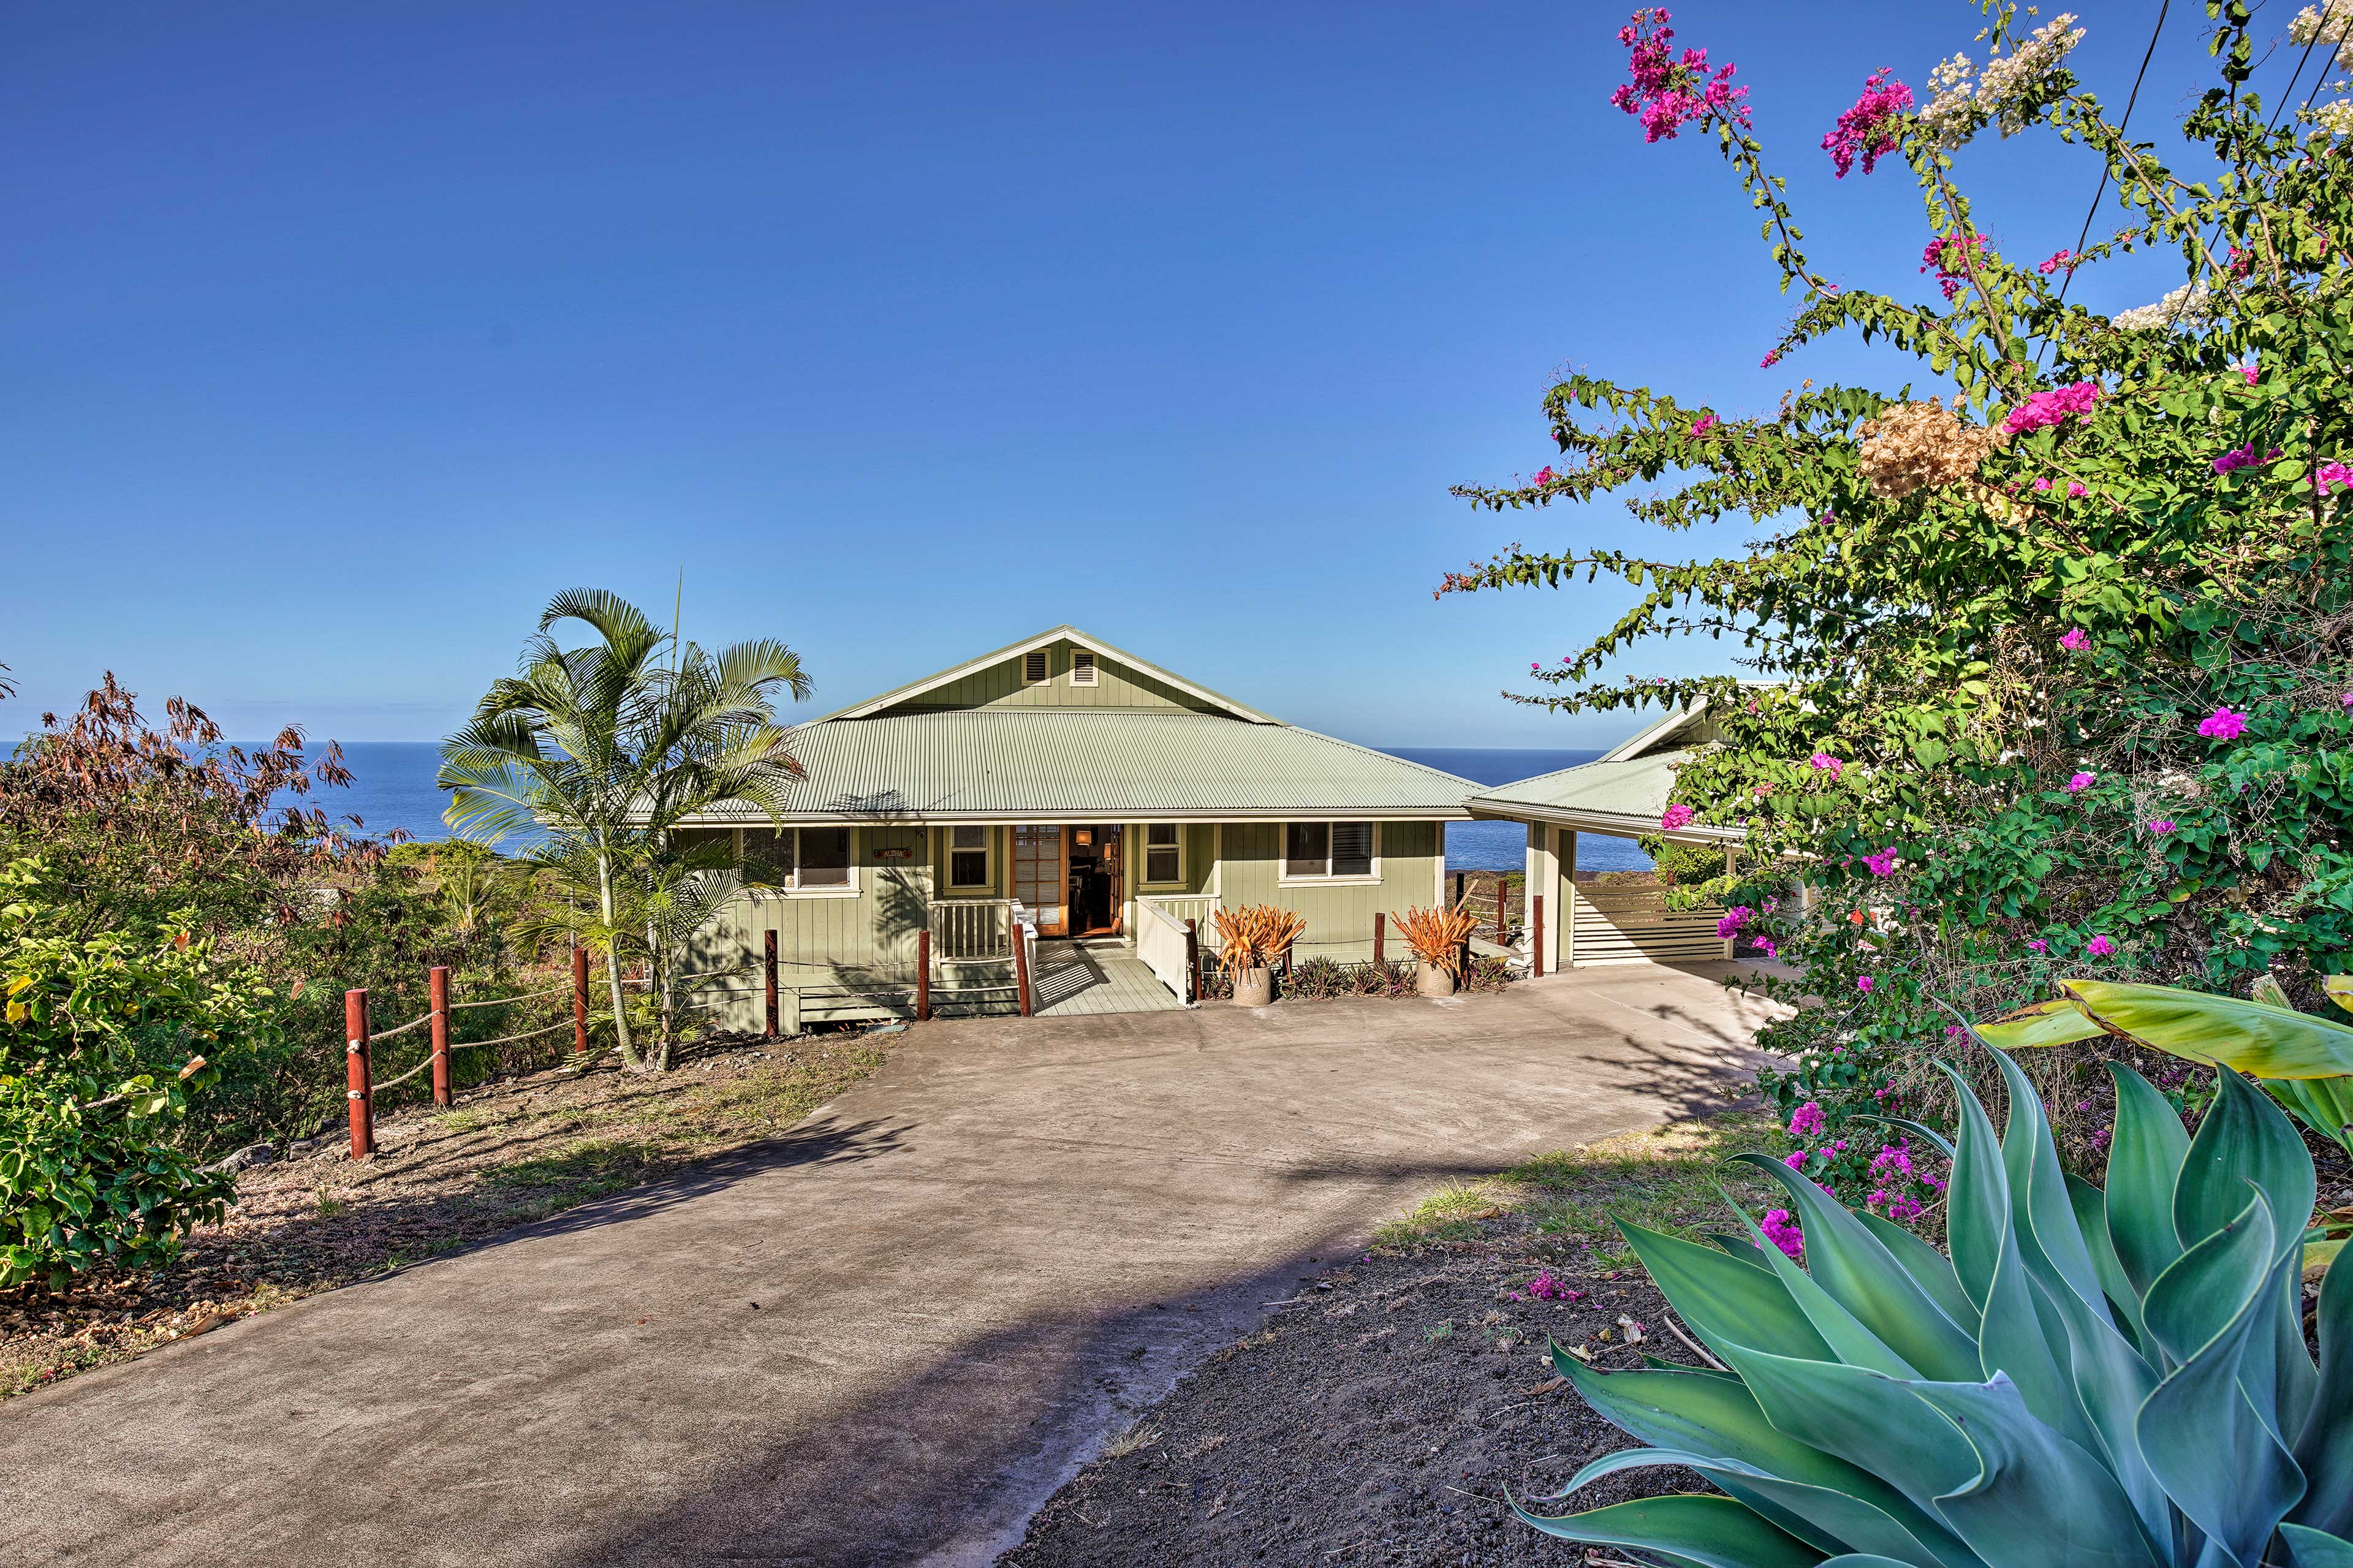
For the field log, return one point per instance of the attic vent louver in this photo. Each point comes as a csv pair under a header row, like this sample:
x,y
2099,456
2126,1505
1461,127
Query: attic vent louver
x,y
1033,668
1082,669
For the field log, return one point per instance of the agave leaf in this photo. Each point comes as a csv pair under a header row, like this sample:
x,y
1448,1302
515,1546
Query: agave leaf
x,y
2058,1022
2325,1449
2040,1206
2037,1498
1722,1296
2259,1040
2310,1548
1716,1530
1857,1269
2201,1434
1825,1518
1739,1247
2323,1104
2145,1160
1859,1559
2319,1257
1936,1140
1720,1419
1870,1420
1848,1339
1929,1269
2091,1207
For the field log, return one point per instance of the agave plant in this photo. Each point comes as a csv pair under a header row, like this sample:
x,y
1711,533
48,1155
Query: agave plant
x,y
2111,1377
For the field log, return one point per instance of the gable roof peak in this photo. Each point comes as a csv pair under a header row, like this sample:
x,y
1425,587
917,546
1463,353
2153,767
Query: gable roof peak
x,y
1047,639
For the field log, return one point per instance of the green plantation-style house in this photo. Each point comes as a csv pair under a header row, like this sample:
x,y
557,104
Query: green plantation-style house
x,y
1066,797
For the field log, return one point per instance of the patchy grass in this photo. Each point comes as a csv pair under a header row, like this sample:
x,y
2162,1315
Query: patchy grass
x,y
516,1150
1665,1179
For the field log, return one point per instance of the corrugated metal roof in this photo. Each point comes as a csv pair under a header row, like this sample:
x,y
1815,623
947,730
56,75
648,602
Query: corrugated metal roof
x,y
1623,796
1095,764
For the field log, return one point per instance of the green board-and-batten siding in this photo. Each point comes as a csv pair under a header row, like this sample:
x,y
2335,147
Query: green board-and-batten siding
x,y
1004,685
1339,914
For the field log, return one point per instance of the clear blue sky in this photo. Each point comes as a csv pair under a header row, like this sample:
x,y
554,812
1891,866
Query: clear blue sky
x,y
337,337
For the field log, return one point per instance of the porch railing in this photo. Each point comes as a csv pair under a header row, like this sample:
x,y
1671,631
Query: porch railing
x,y
1183,907
1164,945
971,929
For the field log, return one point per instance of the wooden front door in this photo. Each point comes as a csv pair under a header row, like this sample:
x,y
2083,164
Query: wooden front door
x,y
1040,880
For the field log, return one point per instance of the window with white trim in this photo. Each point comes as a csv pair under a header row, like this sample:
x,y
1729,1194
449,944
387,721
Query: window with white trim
x,y
1082,667
797,859
1164,853
1034,668
968,863
1328,851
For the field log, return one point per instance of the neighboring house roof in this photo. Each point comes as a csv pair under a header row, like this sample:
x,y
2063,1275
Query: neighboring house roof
x,y
899,757
1623,793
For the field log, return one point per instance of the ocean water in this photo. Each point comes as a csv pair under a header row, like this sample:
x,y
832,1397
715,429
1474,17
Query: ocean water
x,y
393,787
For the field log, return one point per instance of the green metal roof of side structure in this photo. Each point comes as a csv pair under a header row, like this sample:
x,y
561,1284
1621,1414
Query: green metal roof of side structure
x,y
891,759
1624,793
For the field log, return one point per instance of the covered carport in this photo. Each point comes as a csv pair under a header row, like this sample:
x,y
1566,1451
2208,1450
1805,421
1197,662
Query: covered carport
x,y
1622,794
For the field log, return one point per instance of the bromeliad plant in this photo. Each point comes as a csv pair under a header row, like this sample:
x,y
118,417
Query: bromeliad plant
x,y
1436,936
1256,936
2113,1377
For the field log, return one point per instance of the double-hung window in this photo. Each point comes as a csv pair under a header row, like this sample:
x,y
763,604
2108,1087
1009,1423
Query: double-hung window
x,y
798,859
968,857
1326,851
1164,853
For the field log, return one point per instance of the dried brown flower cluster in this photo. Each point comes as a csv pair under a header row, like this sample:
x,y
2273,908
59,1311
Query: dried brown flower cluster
x,y
1922,445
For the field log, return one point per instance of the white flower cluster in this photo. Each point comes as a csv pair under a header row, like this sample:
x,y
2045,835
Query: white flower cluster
x,y
2337,118
1952,113
2185,306
2332,20
2014,90
2017,86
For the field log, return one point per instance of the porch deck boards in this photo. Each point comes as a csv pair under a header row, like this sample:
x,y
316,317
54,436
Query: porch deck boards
x,y
1072,980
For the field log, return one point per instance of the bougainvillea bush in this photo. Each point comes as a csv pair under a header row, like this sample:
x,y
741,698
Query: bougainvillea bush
x,y
2047,634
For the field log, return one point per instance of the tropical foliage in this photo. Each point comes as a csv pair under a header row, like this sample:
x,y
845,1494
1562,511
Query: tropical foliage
x,y
1253,936
604,748
2095,1376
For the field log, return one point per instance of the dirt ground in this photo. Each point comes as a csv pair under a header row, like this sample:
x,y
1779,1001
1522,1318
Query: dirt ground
x,y
1394,1404
508,1153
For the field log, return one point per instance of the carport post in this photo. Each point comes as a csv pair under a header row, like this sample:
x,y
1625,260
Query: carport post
x,y
437,988
355,1068
769,962
1536,934
1380,931
580,1000
923,976
1193,955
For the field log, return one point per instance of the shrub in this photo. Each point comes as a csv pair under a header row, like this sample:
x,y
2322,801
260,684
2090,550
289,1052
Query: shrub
x,y
2093,1375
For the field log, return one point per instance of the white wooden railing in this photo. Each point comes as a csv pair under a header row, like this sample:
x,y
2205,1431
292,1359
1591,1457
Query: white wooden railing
x,y
1183,907
966,929
1160,941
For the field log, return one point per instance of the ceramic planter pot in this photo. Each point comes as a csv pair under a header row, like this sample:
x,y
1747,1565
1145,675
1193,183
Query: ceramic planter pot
x,y
1253,987
1430,980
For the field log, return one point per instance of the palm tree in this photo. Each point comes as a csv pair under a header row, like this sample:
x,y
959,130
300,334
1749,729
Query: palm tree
x,y
608,746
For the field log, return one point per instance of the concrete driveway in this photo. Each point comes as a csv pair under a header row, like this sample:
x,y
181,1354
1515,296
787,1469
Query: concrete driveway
x,y
965,1271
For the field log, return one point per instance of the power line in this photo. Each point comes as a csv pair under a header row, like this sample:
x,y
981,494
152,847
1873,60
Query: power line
x,y
2131,100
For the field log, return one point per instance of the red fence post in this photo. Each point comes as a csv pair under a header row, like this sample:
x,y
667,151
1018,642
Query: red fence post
x,y
923,974
580,1000
356,1060
437,987
1021,968
769,962
1536,933
1193,956
1380,931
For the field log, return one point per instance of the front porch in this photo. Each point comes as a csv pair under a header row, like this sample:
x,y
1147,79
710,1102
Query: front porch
x,y
1080,977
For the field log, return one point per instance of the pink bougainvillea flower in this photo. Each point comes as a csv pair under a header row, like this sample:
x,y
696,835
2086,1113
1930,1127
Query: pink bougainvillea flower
x,y
2081,782
1704,424
2042,484
2038,946
1772,358
1761,790
2075,491
2250,373
1806,1121
2053,407
1535,668
1675,816
2329,474
2242,458
1783,1232
1881,864
1864,982
1668,91
1873,127
1734,919
2162,826
1766,944
1543,475
2099,947
1796,1159
2057,259
2347,699
1823,762
2222,724
2076,640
